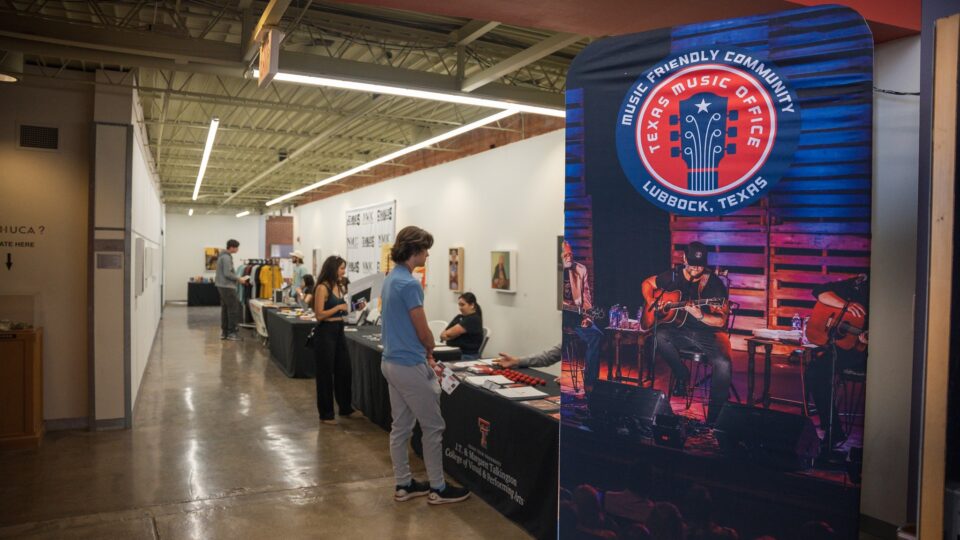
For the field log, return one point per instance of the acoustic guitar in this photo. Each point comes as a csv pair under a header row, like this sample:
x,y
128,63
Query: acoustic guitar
x,y
826,322
667,308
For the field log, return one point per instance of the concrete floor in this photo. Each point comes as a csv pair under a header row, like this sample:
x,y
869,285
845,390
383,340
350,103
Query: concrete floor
x,y
223,446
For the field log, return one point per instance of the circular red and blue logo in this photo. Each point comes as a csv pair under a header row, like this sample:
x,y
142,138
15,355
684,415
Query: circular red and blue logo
x,y
708,132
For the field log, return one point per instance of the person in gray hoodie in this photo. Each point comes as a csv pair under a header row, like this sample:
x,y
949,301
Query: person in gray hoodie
x,y
226,281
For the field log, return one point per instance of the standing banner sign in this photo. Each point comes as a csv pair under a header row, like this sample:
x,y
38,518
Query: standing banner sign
x,y
368,228
715,272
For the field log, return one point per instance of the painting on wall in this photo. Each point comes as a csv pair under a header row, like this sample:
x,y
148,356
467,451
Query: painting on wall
x,y
503,269
210,256
456,269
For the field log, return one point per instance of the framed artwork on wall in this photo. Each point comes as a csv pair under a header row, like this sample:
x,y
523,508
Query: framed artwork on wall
x,y
456,269
503,270
210,256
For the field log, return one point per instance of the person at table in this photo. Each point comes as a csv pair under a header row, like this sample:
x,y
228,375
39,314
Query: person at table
x,y
226,280
333,361
412,374
703,329
299,270
465,331
854,294
577,304
544,358
307,286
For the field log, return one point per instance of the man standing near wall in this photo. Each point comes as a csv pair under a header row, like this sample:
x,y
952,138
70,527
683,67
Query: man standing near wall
x,y
226,281
412,373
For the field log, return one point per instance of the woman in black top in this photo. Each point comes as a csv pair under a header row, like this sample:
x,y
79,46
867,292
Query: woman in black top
x,y
333,362
307,286
466,329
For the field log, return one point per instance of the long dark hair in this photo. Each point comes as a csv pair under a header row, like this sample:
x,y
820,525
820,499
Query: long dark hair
x,y
329,272
309,284
471,299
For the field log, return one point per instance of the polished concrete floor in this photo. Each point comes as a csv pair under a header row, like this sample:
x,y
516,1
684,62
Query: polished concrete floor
x,y
223,446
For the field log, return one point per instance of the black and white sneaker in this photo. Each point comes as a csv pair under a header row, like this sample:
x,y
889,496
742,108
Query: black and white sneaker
x,y
233,337
415,489
449,494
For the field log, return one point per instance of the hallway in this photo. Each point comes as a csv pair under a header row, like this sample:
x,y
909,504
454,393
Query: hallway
x,y
223,446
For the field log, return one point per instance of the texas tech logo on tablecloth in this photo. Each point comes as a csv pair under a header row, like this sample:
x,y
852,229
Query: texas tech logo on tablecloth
x,y
484,426
707,132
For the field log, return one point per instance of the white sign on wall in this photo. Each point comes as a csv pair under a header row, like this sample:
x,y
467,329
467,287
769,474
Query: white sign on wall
x,y
368,228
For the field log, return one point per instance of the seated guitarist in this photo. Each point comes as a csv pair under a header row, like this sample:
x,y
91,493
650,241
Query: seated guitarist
x,y
854,294
577,302
702,329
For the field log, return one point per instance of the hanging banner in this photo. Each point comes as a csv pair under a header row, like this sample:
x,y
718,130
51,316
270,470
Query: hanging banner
x,y
715,279
368,229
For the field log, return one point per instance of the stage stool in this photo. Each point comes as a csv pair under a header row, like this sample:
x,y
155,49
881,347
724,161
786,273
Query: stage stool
x,y
572,351
701,375
851,390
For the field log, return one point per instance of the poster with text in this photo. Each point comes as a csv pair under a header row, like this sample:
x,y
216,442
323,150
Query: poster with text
x,y
368,228
715,280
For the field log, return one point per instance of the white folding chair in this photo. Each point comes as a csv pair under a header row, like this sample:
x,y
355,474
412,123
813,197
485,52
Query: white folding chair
x,y
486,338
436,327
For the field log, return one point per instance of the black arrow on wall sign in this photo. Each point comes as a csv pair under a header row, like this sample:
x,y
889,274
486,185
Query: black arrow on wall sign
x,y
9,260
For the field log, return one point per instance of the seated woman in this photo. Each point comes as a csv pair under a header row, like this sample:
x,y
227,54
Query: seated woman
x,y
307,286
466,329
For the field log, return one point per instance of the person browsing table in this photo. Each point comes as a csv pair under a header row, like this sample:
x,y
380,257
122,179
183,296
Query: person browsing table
x,y
334,372
465,331
412,373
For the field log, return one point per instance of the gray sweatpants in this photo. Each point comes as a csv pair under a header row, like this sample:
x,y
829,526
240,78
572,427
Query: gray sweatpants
x,y
415,395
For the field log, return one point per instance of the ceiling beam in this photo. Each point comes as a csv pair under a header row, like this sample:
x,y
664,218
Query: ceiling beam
x,y
471,32
272,14
519,60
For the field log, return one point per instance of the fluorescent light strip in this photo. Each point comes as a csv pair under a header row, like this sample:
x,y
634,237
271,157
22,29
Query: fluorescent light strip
x,y
244,213
390,157
190,213
419,94
214,123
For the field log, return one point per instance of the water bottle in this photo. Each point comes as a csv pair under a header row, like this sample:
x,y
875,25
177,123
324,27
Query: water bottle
x,y
797,322
614,311
624,317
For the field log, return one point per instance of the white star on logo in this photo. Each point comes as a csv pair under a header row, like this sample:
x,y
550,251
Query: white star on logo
x,y
702,106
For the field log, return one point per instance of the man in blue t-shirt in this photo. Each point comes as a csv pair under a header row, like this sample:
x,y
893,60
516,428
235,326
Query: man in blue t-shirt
x,y
412,373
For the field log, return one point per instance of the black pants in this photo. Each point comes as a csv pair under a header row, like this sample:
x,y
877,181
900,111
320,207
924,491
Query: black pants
x,y
715,346
820,380
334,374
229,310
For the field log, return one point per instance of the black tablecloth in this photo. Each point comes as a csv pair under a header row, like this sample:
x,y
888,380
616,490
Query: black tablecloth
x,y
370,394
513,468
288,347
515,472
202,294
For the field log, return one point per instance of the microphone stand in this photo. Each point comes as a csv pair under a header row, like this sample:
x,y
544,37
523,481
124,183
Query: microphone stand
x,y
832,457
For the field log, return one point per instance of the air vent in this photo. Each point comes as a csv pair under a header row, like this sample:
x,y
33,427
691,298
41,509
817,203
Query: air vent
x,y
45,138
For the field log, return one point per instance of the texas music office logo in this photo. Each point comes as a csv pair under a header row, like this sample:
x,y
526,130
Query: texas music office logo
x,y
708,132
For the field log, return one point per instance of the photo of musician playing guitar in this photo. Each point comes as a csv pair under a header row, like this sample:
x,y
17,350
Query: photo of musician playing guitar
x,y
839,318
577,306
697,321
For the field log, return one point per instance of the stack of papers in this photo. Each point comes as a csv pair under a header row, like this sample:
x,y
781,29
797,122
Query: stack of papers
x,y
522,392
482,379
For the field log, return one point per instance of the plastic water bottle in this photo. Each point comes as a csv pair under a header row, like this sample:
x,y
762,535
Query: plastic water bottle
x,y
797,322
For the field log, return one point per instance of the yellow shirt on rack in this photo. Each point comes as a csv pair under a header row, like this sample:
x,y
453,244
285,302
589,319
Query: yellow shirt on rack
x,y
266,282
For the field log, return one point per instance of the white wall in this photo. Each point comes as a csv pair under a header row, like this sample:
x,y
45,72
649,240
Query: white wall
x,y
50,189
892,274
186,236
147,223
509,198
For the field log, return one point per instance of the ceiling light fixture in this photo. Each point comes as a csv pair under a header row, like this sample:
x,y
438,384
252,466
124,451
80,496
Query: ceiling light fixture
x,y
11,66
402,152
244,213
419,94
190,213
207,148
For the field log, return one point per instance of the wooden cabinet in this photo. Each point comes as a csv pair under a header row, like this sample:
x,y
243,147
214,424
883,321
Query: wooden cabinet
x,y
21,388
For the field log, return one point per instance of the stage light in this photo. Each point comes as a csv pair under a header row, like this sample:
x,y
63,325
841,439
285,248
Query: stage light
x,y
214,123
390,157
462,99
